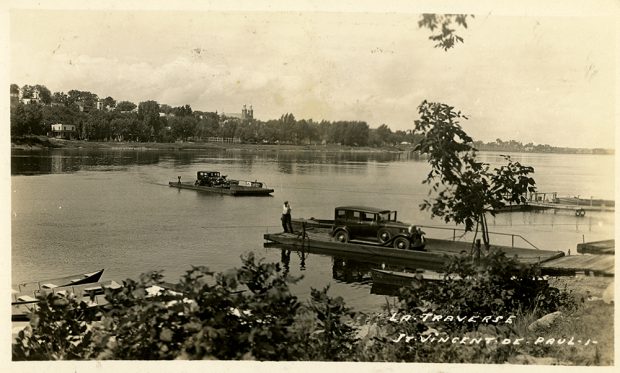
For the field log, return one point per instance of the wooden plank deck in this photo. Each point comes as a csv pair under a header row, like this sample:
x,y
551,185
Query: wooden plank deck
x,y
437,254
553,263
606,247
599,265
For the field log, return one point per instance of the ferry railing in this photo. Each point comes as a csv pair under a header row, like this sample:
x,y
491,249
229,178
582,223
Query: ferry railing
x,y
463,233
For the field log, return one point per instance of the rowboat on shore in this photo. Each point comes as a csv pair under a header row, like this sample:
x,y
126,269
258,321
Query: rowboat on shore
x,y
214,182
72,280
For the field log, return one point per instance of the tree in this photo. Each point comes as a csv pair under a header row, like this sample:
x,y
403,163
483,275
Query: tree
x,y
97,126
108,102
87,100
61,98
27,120
44,94
384,134
183,128
166,109
286,126
465,189
148,112
28,91
208,126
125,106
58,114
182,111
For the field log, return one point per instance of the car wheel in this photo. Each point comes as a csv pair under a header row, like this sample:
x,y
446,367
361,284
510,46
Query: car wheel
x,y
401,243
384,235
342,236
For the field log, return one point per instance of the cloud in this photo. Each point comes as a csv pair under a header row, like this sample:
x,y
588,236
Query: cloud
x,y
513,75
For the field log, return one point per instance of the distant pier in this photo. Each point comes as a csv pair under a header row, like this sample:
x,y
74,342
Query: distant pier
x,y
550,200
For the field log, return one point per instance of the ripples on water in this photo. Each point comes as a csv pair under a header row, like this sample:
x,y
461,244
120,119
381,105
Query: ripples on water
x,y
76,210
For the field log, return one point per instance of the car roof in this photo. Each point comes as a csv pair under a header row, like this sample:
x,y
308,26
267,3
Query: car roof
x,y
363,209
208,171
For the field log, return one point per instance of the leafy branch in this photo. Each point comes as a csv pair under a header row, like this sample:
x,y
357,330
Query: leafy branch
x,y
464,189
446,38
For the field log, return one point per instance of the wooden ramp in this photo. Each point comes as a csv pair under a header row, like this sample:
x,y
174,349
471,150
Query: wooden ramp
x,y
598,265
606,247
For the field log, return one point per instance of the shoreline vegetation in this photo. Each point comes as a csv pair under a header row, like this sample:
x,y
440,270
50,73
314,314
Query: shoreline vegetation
x,y
249,313
45,142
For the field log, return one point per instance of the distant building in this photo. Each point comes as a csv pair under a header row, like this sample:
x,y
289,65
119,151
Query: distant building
x,y
101,105
63,131
246,114
36,96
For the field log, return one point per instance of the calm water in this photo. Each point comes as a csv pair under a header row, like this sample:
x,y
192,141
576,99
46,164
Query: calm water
x,y
76,210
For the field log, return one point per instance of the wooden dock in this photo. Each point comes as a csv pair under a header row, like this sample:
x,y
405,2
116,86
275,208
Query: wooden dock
x,y
587,264
579,210
437,254
553,263
579,206
606,247
597,259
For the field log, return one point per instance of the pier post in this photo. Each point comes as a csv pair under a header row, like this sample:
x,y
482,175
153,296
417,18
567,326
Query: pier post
x,y
477,251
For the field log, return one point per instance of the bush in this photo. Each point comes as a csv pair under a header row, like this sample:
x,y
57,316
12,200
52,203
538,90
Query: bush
x,y
60,329
493,286
333,337
244,313
250,313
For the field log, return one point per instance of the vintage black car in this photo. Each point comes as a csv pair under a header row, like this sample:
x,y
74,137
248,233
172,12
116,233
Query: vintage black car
x,y
210,178
369,223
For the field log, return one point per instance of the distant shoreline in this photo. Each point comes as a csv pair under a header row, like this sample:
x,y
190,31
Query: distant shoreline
x,y
43,142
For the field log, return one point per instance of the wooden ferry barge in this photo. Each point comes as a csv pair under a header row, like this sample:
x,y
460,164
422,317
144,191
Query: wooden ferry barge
x,y
437,252
213,182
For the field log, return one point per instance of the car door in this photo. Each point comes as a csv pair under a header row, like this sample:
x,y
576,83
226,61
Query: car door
x,y
368,225
353,222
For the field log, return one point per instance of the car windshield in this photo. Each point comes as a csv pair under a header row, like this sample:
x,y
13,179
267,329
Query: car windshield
x,y
385,216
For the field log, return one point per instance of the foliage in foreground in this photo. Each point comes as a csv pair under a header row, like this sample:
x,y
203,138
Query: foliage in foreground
x,y
250,313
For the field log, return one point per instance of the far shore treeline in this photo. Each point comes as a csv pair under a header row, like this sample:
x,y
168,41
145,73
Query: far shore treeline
x,y
34,108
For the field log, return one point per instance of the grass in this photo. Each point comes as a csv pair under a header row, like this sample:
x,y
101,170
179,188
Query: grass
x,y
591,320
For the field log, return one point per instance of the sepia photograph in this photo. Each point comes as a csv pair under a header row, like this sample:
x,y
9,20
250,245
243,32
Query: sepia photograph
x,y
376,186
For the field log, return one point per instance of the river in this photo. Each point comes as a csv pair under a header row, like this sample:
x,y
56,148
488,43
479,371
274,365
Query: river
x,y
78,210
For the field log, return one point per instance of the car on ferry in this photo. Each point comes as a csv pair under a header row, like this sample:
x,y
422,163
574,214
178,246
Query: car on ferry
x,y
369,223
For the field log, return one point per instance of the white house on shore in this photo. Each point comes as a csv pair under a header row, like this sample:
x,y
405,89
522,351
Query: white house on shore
x,y
63,131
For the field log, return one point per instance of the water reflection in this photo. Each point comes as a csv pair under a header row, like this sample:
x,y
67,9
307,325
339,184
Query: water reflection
x,y
73,160
31,162
357,271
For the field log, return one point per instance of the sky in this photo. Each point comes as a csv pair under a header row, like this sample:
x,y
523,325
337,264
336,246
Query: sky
x,y
530,75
